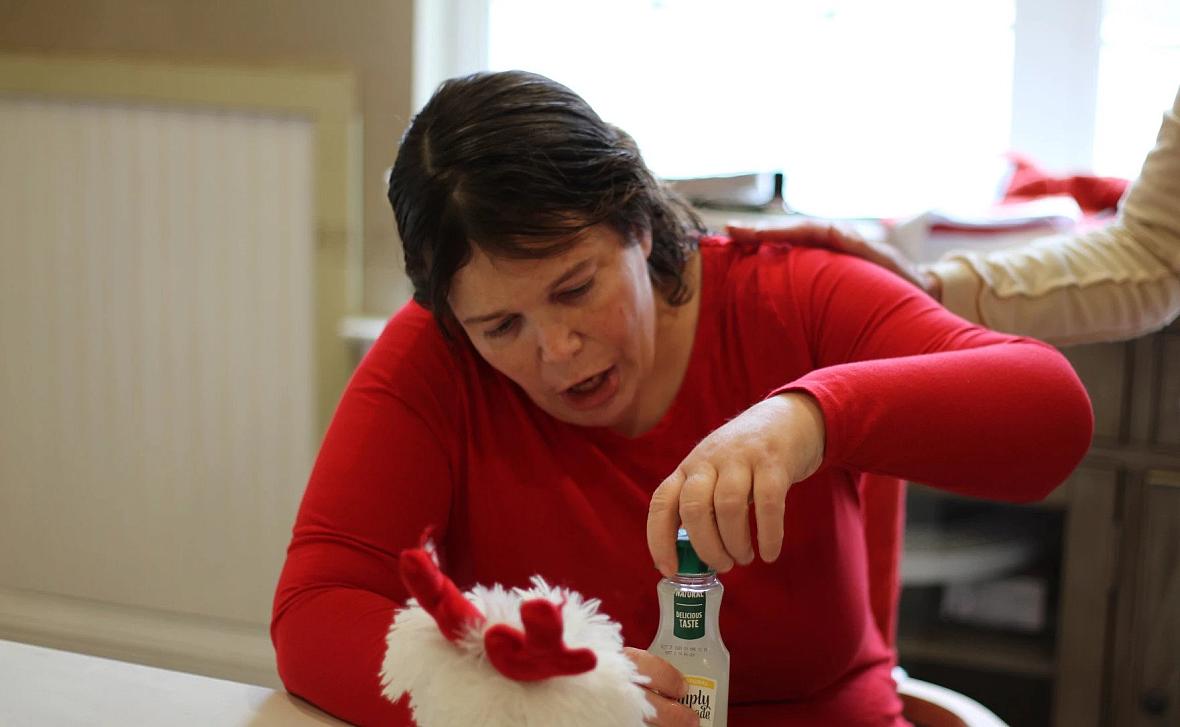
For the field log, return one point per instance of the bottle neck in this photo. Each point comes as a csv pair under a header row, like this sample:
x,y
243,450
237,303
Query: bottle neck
x,y
695,580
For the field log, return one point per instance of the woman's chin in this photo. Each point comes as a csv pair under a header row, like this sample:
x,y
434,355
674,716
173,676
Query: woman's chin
x,y
581,418
607,417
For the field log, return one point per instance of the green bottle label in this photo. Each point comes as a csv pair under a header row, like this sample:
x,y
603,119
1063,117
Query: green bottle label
x,y
689,612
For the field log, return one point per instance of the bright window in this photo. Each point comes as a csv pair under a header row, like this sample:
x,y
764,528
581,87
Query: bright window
x,y
856,100
869,107
1139,71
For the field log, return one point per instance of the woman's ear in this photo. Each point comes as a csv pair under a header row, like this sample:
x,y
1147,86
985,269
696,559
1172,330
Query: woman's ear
x,y
645,242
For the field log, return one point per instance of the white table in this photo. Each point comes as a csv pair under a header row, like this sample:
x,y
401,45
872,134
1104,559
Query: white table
x,y
42,687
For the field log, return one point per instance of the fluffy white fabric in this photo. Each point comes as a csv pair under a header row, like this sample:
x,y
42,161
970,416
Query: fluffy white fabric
x,y
453,684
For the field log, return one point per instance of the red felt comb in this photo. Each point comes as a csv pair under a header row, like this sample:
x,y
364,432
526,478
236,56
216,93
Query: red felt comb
x,y
534,654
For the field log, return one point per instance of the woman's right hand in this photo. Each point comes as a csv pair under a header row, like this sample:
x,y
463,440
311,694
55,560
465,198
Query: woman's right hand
x,y
666,685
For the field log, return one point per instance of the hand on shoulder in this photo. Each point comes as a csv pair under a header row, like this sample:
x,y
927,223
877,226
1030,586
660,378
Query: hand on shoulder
x,y
843,238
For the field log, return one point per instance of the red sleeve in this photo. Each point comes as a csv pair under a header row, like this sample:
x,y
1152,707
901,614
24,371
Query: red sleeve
x,y
382,475
909,390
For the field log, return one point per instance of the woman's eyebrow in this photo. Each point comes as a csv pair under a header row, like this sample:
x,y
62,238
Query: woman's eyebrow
x,y
484,318
572,272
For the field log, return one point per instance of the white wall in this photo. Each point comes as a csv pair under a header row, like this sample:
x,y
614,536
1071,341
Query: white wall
x,y
156,393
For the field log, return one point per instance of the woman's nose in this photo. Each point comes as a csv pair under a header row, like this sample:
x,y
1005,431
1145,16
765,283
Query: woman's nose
x,y
558,342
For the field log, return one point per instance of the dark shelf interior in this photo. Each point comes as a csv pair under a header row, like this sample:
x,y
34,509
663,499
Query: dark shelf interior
x,y
1009,670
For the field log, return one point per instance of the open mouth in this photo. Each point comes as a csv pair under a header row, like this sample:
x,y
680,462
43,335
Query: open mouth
x,y
585,386
593,391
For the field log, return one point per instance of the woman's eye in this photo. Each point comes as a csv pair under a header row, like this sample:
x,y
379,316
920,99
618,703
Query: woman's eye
x,y
578,292
504,328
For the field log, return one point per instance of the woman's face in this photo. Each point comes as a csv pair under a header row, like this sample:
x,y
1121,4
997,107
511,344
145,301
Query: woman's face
x,y
576,331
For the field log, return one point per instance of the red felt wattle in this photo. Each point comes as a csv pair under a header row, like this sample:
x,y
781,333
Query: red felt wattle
x,y
539,652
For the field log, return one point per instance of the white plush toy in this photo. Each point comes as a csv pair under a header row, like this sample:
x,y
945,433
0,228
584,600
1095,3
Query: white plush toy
x,y
493,657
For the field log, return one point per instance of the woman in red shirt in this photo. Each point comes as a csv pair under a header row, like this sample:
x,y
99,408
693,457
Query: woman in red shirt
x,y
581,370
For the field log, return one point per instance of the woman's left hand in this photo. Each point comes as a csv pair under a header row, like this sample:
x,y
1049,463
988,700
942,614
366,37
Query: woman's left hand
x,y
752,459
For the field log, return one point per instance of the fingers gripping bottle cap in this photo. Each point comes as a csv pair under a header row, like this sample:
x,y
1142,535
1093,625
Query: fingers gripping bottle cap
x,y
688,562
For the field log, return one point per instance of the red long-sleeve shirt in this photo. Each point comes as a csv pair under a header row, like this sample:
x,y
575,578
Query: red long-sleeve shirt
x,y
429,434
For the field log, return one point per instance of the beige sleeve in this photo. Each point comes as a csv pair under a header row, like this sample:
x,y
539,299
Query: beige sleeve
x,y
1111,283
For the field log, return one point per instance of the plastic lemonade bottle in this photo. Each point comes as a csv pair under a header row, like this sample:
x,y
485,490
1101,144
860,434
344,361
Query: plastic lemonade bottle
x,y
690,637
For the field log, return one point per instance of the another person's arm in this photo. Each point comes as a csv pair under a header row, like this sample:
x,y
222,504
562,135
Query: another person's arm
x,y
1120,281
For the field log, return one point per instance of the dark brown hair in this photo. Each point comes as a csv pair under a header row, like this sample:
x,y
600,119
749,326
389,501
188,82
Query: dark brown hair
x,y
518,164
